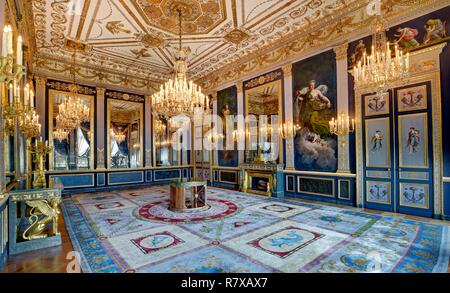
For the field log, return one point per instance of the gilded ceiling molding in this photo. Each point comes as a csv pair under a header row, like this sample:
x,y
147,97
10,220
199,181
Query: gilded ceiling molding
x,y
341,51
94,77
344,28
125,96
66,87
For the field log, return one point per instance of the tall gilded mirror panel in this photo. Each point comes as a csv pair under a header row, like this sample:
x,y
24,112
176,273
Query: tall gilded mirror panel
x,y
263,112
125,134
165,152
71,125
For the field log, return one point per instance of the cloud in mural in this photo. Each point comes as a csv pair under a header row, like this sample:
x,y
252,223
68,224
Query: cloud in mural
x,y
313,150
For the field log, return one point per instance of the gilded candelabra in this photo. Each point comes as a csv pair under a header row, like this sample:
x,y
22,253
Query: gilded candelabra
x,y
342,125
39,151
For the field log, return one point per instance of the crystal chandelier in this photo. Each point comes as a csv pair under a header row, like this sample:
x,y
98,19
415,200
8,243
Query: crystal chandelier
x,y
72,111
382,67
178,95
60,134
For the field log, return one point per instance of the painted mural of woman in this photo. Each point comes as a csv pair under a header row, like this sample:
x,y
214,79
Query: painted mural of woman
x,y
312,106
227,154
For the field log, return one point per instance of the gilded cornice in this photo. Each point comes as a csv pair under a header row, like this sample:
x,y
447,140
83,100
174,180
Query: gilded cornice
x,y
353,24
92,76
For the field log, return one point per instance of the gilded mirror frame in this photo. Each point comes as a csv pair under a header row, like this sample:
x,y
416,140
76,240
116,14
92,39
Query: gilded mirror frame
x,y
51,98
154,147
278,83
108,129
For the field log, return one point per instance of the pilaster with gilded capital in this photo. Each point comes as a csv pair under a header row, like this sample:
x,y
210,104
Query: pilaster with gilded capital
x,y
100,125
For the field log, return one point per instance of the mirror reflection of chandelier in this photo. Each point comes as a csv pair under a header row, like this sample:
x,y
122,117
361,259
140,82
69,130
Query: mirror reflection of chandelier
x,y
383,67
178,95
160,127
120,137
60,134
72,111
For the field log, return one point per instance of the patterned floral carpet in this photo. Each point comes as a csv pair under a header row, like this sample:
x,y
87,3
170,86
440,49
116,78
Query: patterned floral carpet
x,y
132,231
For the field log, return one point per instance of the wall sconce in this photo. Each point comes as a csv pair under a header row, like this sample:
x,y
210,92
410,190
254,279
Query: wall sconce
x,y
342,125
288,130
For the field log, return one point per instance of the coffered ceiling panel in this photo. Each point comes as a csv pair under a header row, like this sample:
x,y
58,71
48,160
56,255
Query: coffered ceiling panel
x,y
138,37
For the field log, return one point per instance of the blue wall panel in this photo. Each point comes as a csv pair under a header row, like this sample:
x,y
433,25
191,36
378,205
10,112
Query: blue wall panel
x,y
119,178
75,180
167,175
148,176
101,179
343,189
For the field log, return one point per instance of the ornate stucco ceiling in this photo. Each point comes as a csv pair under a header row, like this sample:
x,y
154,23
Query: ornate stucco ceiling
x,y
137,37
130,43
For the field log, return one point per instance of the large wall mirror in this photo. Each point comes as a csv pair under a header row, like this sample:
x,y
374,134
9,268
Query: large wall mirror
x,y
165,152
125,134
73,145
263,112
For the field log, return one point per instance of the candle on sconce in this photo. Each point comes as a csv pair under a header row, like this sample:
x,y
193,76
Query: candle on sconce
x,y
11,94
31,99
26,94
5,41
10,40
19,54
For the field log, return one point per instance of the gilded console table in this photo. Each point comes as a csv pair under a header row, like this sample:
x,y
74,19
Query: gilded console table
x,y
262,179
180,202
33,219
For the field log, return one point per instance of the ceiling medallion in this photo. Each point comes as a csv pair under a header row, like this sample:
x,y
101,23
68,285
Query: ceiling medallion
x,y
72,45
236,36
151,41
199,16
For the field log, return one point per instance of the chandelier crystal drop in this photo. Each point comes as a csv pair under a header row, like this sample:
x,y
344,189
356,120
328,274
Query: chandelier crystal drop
x,y
179,95
383,67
